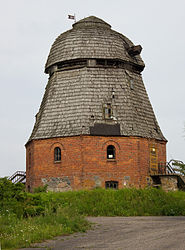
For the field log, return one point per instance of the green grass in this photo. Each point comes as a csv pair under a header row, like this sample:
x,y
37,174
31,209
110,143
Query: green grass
x,y
124,202
26,218
21,232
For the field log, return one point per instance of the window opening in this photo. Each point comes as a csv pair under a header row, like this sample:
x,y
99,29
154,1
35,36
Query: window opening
x,y
111,184
57,154
113,93
111,152
107,111
72,63
131,83
153,151
101,62
112,63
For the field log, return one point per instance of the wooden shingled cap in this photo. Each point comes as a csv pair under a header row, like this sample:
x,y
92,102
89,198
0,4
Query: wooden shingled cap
x,y
91,37
74,98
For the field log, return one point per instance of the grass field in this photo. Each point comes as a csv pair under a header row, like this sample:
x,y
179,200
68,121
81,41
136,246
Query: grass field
x,y
21,232
26,218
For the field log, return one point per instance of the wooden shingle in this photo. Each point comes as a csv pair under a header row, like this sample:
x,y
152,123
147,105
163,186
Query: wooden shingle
x,y
74,99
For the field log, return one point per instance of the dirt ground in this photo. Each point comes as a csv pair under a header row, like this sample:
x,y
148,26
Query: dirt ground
x,y
128,233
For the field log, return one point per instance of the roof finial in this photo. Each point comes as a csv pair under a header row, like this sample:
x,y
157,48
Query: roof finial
x,y
72,17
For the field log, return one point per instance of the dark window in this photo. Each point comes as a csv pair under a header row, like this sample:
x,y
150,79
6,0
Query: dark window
x,y
101,62
112,62
111,152
111,184
57,154
107,111
72,64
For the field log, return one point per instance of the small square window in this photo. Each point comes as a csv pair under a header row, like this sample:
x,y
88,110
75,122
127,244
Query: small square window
x,y
107,111
111,184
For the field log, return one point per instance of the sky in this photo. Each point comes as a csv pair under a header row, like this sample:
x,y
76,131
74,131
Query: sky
x,y
29,27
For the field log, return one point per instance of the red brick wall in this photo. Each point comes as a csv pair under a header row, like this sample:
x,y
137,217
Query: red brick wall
x,y
84,162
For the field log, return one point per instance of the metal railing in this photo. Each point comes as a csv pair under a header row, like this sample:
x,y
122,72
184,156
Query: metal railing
x,y
17,177
168,167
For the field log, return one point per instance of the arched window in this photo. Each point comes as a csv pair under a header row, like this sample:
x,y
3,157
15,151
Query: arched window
x,y
57,154
111,152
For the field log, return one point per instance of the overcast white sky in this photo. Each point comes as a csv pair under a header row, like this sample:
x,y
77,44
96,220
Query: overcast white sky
x,y
29,27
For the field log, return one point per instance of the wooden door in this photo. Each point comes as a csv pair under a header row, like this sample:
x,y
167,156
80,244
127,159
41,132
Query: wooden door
x,y
153,160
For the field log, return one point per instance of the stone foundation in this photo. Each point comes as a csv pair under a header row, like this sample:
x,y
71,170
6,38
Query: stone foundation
x,y
57,184
169,182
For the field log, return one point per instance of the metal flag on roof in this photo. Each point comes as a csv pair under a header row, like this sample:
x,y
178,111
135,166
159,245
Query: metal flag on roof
x,y
72,17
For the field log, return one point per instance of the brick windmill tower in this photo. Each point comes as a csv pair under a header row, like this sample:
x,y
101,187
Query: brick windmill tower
x,y
95,126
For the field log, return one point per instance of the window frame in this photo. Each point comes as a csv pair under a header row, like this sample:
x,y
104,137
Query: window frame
x,y
111,185
113,151
57,154
107,111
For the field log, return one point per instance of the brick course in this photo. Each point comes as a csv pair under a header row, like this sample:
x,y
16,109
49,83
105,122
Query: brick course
x,y
84,163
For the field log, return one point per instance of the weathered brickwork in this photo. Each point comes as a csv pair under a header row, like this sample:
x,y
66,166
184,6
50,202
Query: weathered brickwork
x,y
84,163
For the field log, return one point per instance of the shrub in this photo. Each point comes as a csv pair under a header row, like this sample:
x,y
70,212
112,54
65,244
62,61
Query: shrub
x,y
41,189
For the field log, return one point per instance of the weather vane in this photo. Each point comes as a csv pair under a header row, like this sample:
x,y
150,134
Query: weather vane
x,y
72,17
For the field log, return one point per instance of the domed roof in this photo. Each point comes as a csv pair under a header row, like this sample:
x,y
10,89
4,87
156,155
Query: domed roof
x,y
89,38
92,21
78,97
